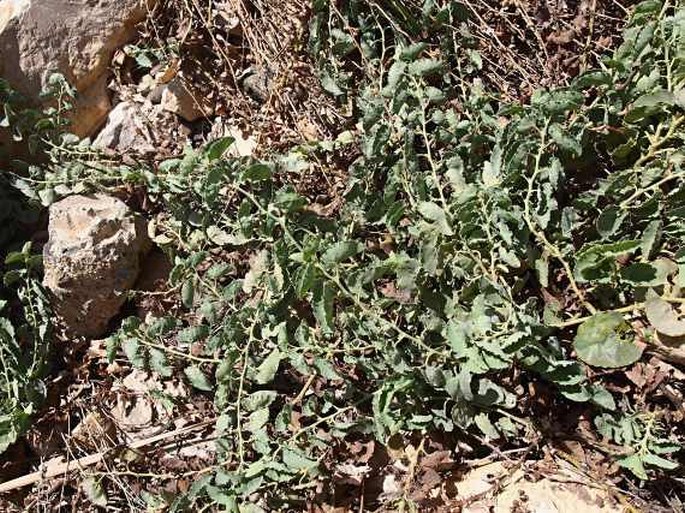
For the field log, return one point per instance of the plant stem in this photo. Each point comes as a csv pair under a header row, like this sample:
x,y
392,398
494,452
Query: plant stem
x,y
540,235
178,354
623,309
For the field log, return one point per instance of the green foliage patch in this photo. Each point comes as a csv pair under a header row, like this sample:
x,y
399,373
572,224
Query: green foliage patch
x,y
24,343
481,246
25,317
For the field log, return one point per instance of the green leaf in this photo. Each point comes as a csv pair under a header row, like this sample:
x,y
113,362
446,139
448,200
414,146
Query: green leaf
x,y
609,221
257,420
268,368
605,340
433,212
663,318
223,238
343,42
598,261
192,334
323,306
216,149
435,96
341,251
412,51
602,397
95,492
565,141
159,363
306,276
651,238
635,465
298,462
658,461
326,369
132,349
650,104
331,86
475,58
161,326
257,173
11,277
258,267
647,7
289,201
486,426
15,257
197,378
645,274
47,196
220,497
248,507
188,293
492,168
591,78
395,74
258,400
425,67
558,101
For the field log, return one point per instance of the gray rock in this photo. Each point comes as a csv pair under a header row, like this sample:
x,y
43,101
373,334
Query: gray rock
x,y
258,85
92,259
76,38
126,130
155,96
177,97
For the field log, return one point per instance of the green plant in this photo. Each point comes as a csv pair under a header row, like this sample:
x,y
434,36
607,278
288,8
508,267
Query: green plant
x,y
645,437
481,246
25,319
24,342
31,125
146,58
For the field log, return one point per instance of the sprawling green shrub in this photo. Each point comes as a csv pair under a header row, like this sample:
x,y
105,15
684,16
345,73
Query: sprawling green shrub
x,y
480,248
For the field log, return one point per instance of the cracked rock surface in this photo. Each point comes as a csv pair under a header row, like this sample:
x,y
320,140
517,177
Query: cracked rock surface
x,y
92,259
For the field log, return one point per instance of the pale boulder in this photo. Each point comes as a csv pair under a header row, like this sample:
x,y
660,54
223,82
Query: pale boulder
x,y
92,259
493,488
76,38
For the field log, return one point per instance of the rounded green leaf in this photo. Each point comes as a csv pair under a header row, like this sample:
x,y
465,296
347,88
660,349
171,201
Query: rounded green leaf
x,y
605,340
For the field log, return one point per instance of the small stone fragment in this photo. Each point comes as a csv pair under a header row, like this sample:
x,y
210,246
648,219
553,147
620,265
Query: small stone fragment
x,y
125,130
177,98
242,146
94,432
258,85
494,488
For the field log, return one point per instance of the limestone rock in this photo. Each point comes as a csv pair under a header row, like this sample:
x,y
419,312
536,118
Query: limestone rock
x,y
141,127
126,130
243,145
179,99
92,259
76,38
565,491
